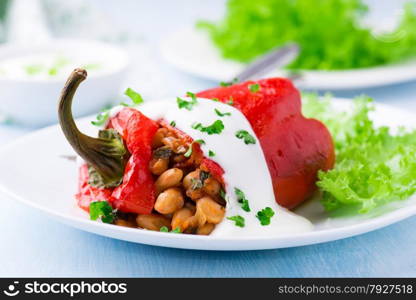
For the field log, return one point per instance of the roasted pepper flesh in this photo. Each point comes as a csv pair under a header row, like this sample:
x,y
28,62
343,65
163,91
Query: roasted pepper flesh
x,y
295,147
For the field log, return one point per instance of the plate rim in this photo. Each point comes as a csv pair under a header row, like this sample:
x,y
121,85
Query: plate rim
x,y
167,40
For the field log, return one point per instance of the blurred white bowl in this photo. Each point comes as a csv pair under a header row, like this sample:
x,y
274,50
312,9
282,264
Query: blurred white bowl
x,y
33,101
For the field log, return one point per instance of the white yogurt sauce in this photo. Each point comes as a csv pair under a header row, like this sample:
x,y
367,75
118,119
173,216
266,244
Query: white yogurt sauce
x,y
244,165
47,65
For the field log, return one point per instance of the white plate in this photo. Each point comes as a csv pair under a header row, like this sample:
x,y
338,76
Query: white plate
x,y
33,172
192,51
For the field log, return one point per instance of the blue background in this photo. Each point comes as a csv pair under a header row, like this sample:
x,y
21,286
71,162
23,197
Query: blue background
x,y
33,245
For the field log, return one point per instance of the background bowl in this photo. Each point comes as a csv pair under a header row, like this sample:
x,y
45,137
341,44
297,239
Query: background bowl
x,y
33,101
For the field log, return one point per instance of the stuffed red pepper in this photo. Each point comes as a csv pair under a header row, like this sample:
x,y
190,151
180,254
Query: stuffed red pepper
x,y
215,162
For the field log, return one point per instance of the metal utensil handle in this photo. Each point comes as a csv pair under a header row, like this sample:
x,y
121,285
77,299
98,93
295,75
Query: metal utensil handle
x,y
274,59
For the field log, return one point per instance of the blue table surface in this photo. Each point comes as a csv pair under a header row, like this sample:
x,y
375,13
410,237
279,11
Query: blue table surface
x,y
33,245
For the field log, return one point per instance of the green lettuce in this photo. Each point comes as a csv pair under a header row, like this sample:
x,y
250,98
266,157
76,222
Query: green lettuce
x,y
373,165
331,33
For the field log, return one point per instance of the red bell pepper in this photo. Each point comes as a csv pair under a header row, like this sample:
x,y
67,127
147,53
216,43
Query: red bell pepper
x,y
87,193
295,147
137,192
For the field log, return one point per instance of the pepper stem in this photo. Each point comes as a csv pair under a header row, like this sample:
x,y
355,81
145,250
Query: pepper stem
x,y
105,154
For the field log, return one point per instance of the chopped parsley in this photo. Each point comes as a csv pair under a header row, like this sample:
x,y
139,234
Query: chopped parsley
x,y
247,137
254,88
189,105
215,128
102,117
220,114
204,176
134,96
265,215
102,210
165,229
176,230
229,83
173,123
223,194
230,102
189,152
199,183
191,95
216,99
239,220
211,153
241,198
162,152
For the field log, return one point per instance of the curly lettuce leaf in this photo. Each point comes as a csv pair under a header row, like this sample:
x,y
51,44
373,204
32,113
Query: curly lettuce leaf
x,y
373,166
331,33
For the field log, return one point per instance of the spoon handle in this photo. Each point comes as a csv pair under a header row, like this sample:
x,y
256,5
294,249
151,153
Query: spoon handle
x,y
274,59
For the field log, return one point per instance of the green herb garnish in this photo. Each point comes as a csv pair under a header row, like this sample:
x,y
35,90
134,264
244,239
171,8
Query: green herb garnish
x,y
241,198
229,83
239,220
135,97
230,101
215,128
245,136
102,210
176,230
189,105
173,123
199,182
254,88
211,153
220,114
191,95
223,195
265,215
162,152
102,117
165,229
189,152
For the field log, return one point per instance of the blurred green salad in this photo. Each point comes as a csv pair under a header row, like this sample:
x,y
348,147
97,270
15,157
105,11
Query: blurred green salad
x,y
331,33
3,8
373,166
4,4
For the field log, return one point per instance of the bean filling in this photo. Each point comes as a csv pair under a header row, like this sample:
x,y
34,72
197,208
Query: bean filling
x,y
188,198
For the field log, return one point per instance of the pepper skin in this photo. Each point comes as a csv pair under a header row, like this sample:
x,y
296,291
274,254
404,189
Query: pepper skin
x,y
87,193
137,192
295,147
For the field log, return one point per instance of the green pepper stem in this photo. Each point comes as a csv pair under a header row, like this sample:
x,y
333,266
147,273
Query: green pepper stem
x,y
105,154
